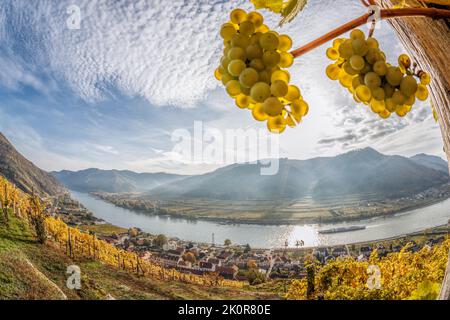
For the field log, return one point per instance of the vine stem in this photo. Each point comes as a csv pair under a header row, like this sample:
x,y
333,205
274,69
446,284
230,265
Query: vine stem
x,y
384,14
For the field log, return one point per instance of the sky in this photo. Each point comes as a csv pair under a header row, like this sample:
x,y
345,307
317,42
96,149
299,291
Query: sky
x,y
111,93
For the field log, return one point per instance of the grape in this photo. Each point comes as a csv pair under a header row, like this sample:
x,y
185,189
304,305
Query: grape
x,y
258,113
271,58
254,51
279,88
391,105
388,90
299,107
422,92
285,43
238,16
333,72
401,110
356,82
242,101
264,76
367,68
236,53
272,107
286,60
276,124
233,88
425,78
263,29
404,61
332,54
269,41
226,77
256,18
394,76
239,40
346,49
245,91
227,31
257,64
372,80
260,91
360,47
363,93
248,77
293,93
337,43
373,55
408,86
224,62
254,39
349,70
357,34
247,28
357,62
345,79
235,67
380,68
372,43
292,121
384,114
217,74
410,100
398,97
281,75
378,94
377,106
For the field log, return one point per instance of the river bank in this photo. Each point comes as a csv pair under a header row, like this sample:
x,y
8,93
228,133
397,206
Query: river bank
x,y
269,236
388,209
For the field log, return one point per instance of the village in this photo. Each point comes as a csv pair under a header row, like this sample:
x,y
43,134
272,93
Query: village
x,y
235,261
243,263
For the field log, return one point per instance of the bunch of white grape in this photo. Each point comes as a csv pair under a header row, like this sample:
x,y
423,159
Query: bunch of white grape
x,y
361,67
251,69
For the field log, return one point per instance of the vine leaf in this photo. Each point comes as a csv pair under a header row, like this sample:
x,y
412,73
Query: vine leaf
x,y
287,9
292,9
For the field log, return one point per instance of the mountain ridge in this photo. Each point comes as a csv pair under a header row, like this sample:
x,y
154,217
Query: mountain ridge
x,y
24,174
359,171
94,180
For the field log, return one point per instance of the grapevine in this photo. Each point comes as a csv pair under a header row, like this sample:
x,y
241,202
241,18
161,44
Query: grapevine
x,y
78,244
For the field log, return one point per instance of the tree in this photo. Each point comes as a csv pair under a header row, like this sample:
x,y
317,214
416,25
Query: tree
x,y
247,248
251,264
255,277
160,241
227,242
37,218
189,257
133,232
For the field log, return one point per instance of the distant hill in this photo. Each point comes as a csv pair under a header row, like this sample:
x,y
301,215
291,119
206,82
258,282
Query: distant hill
x,y
363,171
96,180
433,162
24,174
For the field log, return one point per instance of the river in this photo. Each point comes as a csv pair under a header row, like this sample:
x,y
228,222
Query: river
x,y
269,236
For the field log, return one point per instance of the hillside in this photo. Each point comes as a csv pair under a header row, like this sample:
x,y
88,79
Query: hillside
x,y
359,172
96,180
23,173
32,271
433,162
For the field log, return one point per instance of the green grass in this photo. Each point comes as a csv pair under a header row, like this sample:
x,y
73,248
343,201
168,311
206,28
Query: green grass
x,y
29,270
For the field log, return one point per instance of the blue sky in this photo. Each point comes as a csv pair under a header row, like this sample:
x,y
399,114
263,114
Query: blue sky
x,y
110,94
